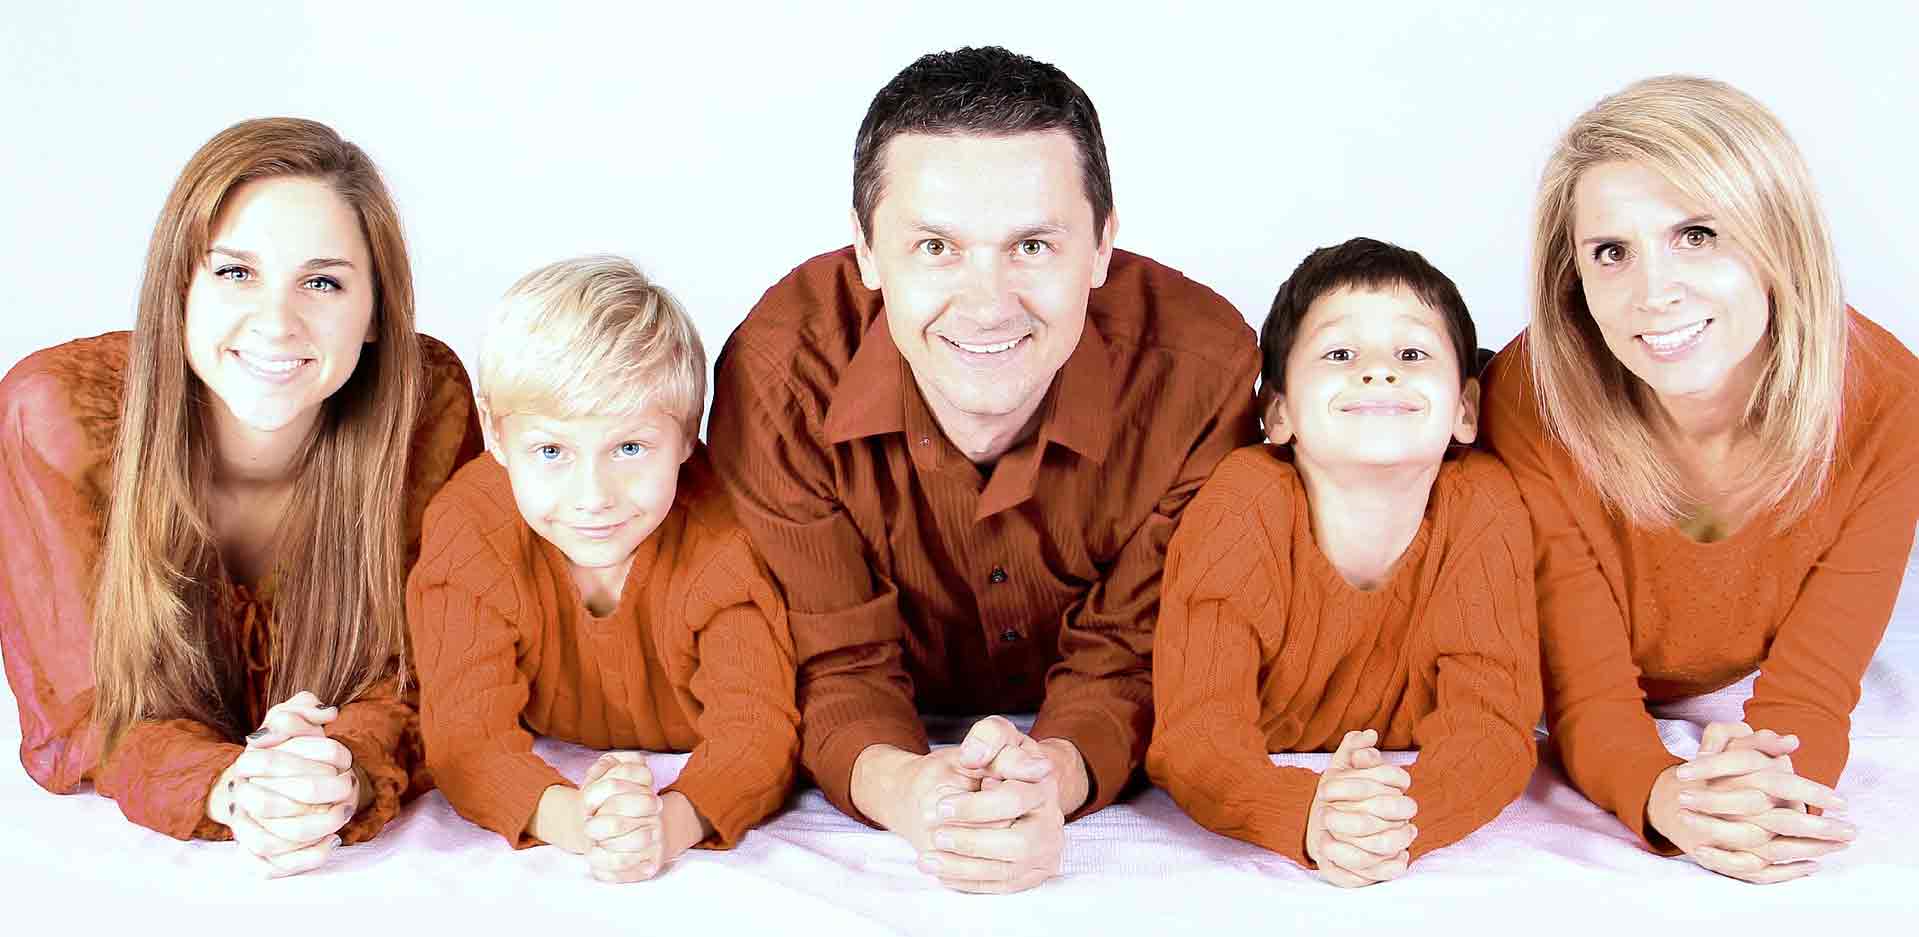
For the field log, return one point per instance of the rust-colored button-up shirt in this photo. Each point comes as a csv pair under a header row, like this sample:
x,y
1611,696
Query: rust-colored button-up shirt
x,y
918,581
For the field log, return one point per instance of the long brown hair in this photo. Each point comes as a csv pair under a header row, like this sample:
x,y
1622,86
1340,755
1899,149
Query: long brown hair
x,y
339,611
1725,151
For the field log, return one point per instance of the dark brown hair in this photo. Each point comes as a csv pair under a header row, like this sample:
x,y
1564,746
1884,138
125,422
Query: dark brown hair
x,y
1361,264
987,91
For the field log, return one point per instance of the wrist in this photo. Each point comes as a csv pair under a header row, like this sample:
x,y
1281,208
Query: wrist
x,y
681,826
1661,808
560,819
1069,766
878,775
363,789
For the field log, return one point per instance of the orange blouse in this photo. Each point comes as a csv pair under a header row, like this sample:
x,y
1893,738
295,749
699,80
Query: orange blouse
x,y
1629,614
59,415
1263,647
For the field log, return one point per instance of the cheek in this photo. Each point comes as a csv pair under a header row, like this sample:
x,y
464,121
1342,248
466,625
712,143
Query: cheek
x,y
534,491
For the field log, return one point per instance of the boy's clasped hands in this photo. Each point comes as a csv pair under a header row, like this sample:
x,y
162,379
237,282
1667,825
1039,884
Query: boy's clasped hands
x,y
1360,825
286,797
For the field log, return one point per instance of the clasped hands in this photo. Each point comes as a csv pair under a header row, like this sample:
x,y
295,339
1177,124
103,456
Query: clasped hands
x,y
987,815
1739,809
286,797
1360,825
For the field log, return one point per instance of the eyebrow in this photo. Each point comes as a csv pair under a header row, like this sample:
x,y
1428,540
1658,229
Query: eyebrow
x,y
1040,229
1683,223
317,263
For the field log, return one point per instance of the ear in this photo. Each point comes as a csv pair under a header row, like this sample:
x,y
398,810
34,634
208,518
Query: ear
x,y
1103,255
1279,431
1467,429
687,450
489,432
372,327
863,252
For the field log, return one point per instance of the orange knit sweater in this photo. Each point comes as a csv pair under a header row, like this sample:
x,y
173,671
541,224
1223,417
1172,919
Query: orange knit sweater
x,y
697,656
1629,614
1263,647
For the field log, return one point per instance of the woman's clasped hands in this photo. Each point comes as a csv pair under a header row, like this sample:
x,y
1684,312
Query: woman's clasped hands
x,y
1739,809
287,796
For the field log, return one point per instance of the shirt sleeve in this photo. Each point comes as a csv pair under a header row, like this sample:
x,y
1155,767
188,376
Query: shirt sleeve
x,y
1207,749
1100,695
739,656
1809,681
461,608
381,729
51,530
847,629
1595,708
1476,749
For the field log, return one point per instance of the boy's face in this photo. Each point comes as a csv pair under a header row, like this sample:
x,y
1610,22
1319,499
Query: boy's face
x,y
1372,379
594,487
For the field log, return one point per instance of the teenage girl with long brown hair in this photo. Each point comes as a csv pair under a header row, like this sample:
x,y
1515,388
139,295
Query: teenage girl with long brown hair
x,y
205,524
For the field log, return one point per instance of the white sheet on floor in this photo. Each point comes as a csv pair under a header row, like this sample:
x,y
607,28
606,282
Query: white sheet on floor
x,y
1550,863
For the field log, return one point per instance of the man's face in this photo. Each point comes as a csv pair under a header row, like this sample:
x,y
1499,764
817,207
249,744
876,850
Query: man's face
x,y
984,249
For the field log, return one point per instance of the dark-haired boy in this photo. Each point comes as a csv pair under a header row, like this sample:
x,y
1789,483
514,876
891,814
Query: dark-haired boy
x,y
1358,584
962,445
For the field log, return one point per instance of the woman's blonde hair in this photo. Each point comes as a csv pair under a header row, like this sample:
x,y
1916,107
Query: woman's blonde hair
x,y
1725,152
592,336
159,650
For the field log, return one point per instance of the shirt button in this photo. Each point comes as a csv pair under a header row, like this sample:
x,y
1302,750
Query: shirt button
x,y
1009,635
997,576
926,440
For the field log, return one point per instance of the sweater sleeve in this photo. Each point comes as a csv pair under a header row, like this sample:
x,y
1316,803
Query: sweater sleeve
x,y
1810,678
1595,708
1100,695
380,728
1207,750
846,623
462,610
161,773
51,528
739,666
1476,747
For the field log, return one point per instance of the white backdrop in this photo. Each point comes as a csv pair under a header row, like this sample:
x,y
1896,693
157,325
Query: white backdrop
x,y
713,145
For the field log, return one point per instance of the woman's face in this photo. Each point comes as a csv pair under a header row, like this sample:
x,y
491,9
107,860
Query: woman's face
x,y
282,304
1676,298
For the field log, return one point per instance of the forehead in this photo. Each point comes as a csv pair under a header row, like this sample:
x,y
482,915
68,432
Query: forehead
x,y
1626,195
1368,310
292,218
652,420
979,179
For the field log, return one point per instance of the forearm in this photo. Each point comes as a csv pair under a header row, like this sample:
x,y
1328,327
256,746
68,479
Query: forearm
x,y
881,775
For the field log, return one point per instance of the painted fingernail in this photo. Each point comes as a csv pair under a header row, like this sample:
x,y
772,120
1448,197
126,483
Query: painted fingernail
x,y
929,864
256,735
229,787
943,840
231,808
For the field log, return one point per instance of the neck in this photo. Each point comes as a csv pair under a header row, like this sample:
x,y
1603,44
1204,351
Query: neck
x,y
1364,517
247,457
983,439
1714,419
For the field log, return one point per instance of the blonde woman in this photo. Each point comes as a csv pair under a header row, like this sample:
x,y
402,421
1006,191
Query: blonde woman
x,y
1719,461
220,506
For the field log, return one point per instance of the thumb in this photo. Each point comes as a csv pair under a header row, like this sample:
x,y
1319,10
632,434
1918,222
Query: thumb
x,y
1350,744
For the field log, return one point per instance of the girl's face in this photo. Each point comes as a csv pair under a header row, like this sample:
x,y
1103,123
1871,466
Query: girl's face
x,y
280,307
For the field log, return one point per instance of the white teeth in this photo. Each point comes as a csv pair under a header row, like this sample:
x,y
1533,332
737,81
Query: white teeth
x,y
1667,341
986,349
271,365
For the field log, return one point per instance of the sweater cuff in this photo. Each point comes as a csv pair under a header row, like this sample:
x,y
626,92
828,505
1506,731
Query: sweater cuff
x,y
388,779
833,758
726,798
500,792
1103,746
1631,792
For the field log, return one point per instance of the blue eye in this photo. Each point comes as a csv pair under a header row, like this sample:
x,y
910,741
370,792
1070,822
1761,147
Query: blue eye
x,y
233,272
323,284
547,453
632,449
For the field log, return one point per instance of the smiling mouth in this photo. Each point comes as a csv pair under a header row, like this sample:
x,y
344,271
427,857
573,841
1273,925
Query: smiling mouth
x,y
1674,341
270,367
601,532
985,348
1379,408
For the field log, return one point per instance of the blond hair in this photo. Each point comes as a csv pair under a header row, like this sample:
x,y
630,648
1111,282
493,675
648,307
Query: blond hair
x,y
589,336
1725,152
339,612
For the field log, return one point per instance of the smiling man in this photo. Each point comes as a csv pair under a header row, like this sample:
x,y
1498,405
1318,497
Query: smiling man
x,y
963,444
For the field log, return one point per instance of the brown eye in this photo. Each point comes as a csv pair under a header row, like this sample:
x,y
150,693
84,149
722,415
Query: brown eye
x,y
932,247
1608,254
1697,236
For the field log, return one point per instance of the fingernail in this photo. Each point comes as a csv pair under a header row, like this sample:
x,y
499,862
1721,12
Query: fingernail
x,y
948,809
230,808
943,840
929,864
256,735
972,751
229,787
337,841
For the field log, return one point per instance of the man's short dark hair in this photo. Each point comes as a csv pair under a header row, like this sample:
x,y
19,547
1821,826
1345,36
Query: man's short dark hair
x,y
1361,264
986,91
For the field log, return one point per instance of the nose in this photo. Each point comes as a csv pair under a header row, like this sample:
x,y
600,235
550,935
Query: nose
x,y
593,487
1379,371
275,316
1658,283
987,301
